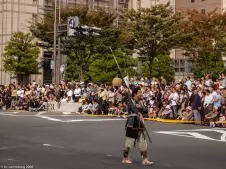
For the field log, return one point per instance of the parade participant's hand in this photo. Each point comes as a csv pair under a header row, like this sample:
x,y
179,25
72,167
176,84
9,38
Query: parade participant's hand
x,y
141,116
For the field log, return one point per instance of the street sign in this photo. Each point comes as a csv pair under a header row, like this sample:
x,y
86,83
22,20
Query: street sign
x,y
52,64
72,23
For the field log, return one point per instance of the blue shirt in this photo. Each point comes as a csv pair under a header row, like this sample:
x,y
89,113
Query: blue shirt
x,y
218,102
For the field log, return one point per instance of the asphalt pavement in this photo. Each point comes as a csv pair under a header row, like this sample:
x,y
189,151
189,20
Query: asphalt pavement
x,y
43,140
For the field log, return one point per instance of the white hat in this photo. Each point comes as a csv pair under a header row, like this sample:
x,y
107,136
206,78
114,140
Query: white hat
x,y
189,108
146,84
177,85
221,87
168,107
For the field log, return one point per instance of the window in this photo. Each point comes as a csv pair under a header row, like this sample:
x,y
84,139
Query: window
x,y
203,11
34,1
192,1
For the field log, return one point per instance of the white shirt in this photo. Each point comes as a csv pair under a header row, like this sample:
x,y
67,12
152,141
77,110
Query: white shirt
x,y
64,100
77,92
174,98
222,118
18,93
69,93
208,100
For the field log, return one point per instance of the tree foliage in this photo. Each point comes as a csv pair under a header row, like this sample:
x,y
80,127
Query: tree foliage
x,y
20,55
153,31
162,66
82,51
104,68
206,42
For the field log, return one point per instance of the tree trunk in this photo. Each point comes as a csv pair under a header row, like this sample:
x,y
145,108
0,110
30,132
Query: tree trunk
x,y
151,65
23,79
81,75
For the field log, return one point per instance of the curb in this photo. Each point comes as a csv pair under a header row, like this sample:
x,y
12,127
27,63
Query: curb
x,y
170,121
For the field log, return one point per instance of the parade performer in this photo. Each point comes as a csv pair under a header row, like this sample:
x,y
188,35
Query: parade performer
x,y
135,129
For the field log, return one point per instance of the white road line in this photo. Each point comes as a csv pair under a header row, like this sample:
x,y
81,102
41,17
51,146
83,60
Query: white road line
x,y
50,118
49,145
92,120
40,113
193,133
78,120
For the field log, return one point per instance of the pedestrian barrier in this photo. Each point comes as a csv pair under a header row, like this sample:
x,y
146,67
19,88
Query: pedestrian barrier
x,y
62,107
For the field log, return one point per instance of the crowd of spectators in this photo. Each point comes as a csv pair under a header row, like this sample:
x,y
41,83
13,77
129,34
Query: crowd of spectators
x,y
200,100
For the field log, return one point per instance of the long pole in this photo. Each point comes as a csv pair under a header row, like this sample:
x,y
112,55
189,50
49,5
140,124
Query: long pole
x,y
54,42
145,129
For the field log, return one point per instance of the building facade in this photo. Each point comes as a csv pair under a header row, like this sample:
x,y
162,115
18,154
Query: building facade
x,y
14,17
183,67
16,14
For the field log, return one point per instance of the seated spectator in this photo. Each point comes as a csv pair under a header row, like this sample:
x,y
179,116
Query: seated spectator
x,y
119,110
64,99
84,108
69,100
33,105
167,113
152,111
13,104
43,104
221,122
162,108
212,116
94,107
19,105
111,109
187,114
26,103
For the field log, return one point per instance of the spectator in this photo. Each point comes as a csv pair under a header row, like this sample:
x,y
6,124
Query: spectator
x,y
187,114
94,107
212,116
174,97
167,113
196,106
77,92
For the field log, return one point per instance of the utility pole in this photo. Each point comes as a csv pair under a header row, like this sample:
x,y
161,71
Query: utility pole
x,y
54,43
58,74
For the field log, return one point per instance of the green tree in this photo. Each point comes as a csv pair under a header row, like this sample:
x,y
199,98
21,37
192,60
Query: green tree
x,y
20,56
153,31
81,51
207,41
104,68
162,66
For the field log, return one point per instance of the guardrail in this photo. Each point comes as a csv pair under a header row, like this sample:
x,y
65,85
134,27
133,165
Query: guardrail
x,y
63,107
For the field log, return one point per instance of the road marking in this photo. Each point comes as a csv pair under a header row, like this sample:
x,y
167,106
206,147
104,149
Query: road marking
x,y
50,118
40,113
194,134
92,120
49,145
78,120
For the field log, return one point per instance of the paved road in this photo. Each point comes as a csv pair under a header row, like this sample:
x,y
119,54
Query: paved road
x,y
52,141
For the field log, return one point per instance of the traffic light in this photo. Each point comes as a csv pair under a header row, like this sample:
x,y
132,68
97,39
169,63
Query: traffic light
x,y
74,29
87,31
